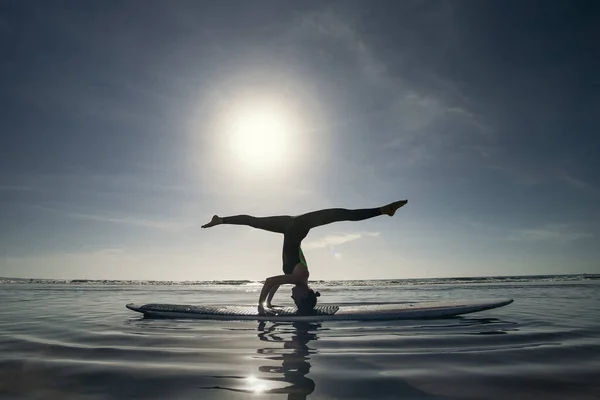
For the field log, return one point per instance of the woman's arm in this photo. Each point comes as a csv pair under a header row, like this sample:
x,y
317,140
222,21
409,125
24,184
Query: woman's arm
x,y
271,294
270,284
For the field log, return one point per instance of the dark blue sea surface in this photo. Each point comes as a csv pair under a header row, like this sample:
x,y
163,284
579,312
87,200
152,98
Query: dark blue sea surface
x,y
76,340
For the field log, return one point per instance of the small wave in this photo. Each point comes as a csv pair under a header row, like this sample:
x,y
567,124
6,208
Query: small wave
x,y
113,282
354,283
464,280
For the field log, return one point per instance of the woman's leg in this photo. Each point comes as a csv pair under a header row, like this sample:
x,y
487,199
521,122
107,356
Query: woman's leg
x,y
328,216
275,224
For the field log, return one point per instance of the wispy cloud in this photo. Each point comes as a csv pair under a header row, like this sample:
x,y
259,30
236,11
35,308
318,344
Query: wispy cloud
x,y
17,188
528,174
336,239
413,111
577,183
143,222
558,233
337,28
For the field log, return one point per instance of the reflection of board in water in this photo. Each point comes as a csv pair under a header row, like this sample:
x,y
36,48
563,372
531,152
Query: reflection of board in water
x,y
412,310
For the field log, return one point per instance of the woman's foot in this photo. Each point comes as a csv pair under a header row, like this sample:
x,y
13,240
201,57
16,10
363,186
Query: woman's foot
x,y
215,221
391,209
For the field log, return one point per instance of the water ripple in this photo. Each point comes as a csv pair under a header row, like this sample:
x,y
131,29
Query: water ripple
x,y
83,344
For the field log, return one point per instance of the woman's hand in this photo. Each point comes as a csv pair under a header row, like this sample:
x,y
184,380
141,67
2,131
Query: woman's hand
x,y
261,310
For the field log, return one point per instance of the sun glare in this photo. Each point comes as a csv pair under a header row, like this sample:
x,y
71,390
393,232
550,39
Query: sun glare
x,y
260,138
256,385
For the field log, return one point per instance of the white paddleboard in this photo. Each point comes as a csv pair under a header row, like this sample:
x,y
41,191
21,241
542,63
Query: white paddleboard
x,y
413,310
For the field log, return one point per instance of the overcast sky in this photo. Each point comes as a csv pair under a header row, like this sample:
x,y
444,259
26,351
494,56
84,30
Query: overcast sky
x,y
125,125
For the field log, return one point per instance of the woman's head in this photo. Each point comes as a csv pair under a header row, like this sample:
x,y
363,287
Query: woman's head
x,y
305,298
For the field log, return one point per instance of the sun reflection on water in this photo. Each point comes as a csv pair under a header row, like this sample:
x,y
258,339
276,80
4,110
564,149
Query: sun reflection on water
x,y
256,385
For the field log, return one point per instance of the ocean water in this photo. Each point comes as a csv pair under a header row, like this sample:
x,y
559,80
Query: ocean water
x,y
76,340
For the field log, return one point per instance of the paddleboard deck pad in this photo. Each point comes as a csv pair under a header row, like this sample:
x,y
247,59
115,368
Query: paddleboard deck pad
x,y
411,310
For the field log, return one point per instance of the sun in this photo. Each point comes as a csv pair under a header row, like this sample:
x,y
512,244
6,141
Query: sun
x,y
260,137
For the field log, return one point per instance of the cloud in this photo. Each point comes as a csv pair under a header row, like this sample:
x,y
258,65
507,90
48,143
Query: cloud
x,y
17,188
143,222
559,233
109,263
577,183
337,28
337,238
414,111
528,174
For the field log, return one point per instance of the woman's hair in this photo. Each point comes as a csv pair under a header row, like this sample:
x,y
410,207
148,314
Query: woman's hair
x,y
307,304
